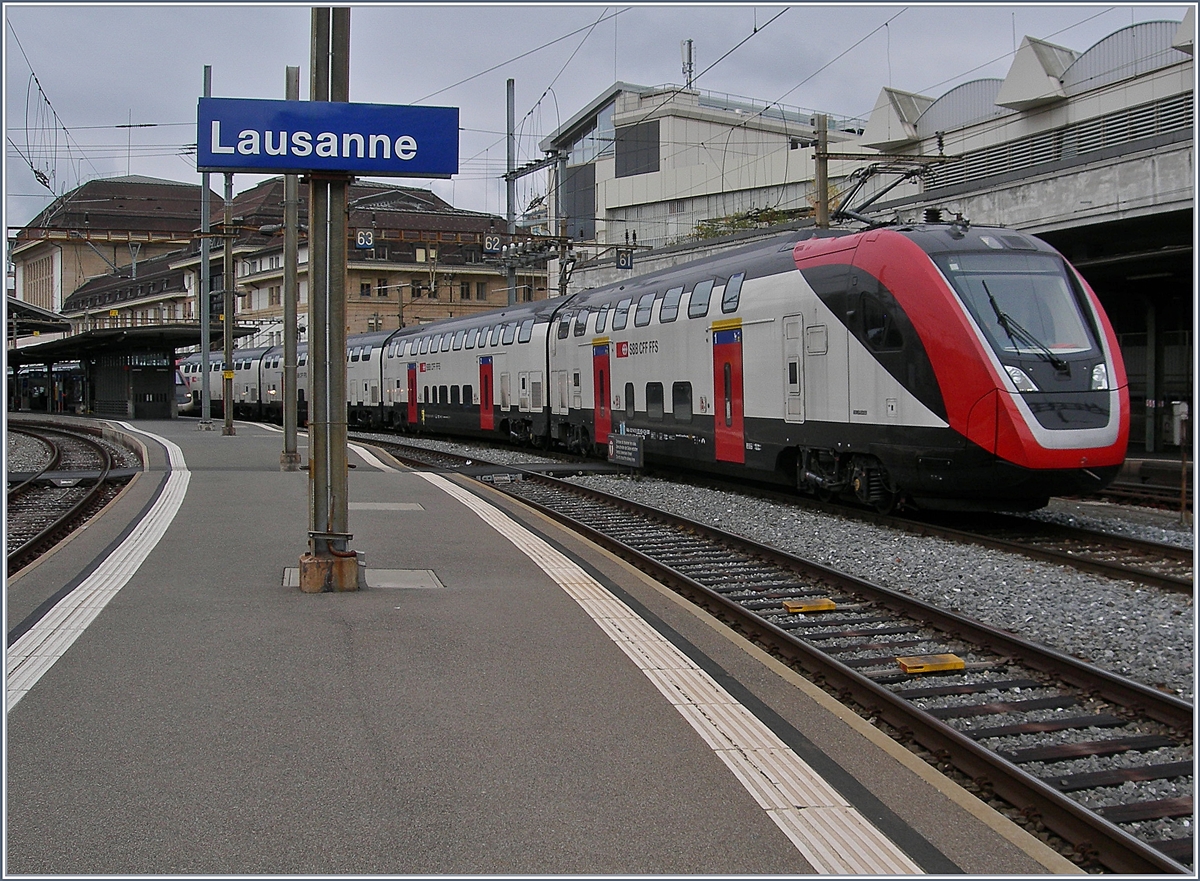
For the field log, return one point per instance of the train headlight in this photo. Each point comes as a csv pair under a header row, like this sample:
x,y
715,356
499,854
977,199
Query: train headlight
x,y
1100,377
1021,380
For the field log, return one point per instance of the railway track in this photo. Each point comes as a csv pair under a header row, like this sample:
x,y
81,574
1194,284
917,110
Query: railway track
x,y
81,474
1165,566
1103,762
1155,564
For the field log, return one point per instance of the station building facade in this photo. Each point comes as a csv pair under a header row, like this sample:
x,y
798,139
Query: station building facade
x,y
428,259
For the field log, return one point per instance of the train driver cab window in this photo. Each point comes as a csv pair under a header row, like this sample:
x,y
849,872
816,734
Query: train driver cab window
x,y
621,316
698,301
669,310
879,328
581,323
510,333
602,318
629,401
645,305
526,333
654,401
733,292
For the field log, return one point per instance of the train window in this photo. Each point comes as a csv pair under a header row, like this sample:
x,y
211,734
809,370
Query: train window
x,y
629,400
303,360
654,401
526,333
458,339
454,392
642,316
447,340
391,352
468,395
424,345
510,333
681,401
879,328
425,395
443,394
581,323
366,355
496,332
733,292
602,318
698,301
669,310
471,334
621,316
564,325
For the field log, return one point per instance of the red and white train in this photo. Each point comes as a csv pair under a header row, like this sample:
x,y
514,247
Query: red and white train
x,y
941,365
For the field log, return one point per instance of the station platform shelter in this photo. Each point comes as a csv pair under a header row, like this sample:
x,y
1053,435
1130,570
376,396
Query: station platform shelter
x,y
123,372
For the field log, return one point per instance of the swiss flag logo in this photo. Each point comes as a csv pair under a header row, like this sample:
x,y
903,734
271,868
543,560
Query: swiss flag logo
x,y
622,350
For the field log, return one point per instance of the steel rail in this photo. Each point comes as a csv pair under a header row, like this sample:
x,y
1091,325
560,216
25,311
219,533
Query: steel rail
x,y
15,559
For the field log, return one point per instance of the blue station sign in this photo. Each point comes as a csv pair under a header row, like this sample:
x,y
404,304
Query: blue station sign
x,y
252,135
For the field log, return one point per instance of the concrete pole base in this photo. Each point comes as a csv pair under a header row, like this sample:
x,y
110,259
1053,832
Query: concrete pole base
x,y
326,574
289,461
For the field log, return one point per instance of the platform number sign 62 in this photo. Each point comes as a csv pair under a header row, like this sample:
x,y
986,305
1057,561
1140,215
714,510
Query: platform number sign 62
x,y
364,238
491,244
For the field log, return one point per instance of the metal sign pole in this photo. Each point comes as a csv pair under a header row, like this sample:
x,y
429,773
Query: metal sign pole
x,y
203,307
330,564
289,459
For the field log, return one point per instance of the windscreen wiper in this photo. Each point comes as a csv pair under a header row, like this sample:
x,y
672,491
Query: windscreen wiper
x,y
1017,334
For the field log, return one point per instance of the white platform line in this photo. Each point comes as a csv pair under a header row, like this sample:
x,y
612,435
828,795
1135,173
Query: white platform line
x,y
40,647
830,834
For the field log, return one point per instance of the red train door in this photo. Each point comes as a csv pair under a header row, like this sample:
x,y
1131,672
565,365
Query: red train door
x,y
727,391
601,391
487,417
412,394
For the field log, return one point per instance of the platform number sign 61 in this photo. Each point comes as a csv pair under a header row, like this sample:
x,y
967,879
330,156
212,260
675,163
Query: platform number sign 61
x,y
364,238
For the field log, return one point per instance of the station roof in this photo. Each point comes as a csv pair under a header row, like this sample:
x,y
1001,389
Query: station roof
x,y
25,319
116,340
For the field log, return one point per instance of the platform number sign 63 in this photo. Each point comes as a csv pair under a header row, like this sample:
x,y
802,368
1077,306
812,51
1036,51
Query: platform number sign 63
x,y
364,238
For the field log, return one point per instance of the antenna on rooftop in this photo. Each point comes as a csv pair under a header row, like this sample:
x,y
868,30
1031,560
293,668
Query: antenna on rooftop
x,y
685,49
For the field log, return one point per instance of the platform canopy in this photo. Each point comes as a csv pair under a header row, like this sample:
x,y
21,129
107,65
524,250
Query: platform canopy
x,y
25,319
117,341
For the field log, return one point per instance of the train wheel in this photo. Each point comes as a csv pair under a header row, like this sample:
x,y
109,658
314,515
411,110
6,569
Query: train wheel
x,y
884,502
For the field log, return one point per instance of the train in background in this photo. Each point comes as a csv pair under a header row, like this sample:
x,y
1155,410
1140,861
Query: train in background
x,y
936,365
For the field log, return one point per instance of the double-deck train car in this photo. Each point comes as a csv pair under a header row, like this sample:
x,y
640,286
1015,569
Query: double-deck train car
x,y
942,365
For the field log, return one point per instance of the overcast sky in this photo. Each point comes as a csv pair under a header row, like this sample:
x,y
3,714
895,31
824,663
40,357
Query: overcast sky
x,y
77,76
